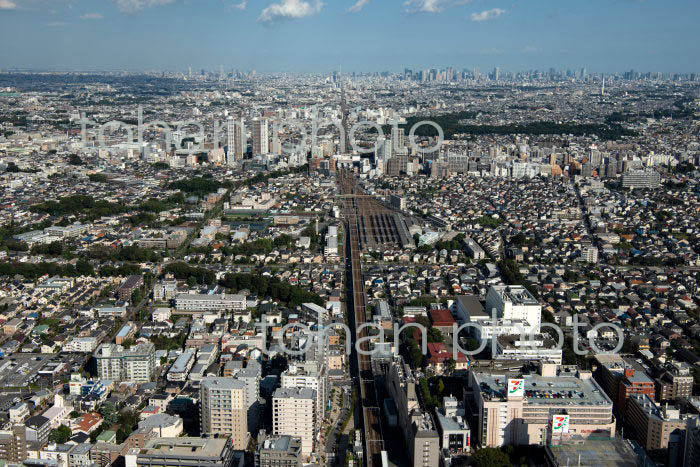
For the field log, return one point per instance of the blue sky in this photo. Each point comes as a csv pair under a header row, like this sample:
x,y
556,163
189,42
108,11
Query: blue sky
x,y
359,35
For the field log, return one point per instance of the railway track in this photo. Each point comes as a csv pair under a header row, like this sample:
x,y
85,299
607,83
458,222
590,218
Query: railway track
x,y
357,232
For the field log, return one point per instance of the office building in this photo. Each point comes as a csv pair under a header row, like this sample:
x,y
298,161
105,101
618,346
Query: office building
x,y
517,410
278,451
223,409
188,452
515,309
536,347
455,436
137,364
514,303
294,414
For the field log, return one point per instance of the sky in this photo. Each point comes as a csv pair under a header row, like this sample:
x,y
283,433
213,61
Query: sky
x,y
313,36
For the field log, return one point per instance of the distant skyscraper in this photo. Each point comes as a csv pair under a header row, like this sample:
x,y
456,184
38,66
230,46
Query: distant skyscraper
x,y
398,140
384,150
261,136
346,148
236,142
496,73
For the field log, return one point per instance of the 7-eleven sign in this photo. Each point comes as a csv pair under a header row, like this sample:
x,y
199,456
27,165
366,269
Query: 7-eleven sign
x,y
516,388
560,424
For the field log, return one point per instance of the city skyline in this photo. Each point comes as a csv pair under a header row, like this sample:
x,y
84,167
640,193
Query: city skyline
x,y
313,36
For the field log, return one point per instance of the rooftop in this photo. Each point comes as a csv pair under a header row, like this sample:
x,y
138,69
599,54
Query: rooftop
x,y
185,447
539,390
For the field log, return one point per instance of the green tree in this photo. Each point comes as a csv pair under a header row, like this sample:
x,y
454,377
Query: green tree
x,y
109,414
60,435
491,457
73,159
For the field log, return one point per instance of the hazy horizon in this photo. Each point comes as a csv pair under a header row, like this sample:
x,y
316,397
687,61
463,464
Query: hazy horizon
x,y
363,36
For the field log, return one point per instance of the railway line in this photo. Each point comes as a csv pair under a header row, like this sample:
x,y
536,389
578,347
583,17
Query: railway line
x,y
377,225
358,233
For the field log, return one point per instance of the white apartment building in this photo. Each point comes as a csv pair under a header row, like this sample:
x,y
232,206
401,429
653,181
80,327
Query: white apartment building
x,y
213,302
137,364
81,345
308,375
294,414
223,409
537,347
515,308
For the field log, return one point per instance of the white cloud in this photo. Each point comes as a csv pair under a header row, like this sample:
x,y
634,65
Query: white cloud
x,y
132,6
424,6
57,24
290,9
431,6
487,15
357,7
92,16
529,49
7,5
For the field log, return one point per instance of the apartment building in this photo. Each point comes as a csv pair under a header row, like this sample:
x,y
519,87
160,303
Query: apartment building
x,y
675,382
651,424
417,426
210,302
294,414
13,444
308,375
127,288
620,378
223,409
137,364
641,179
514,303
